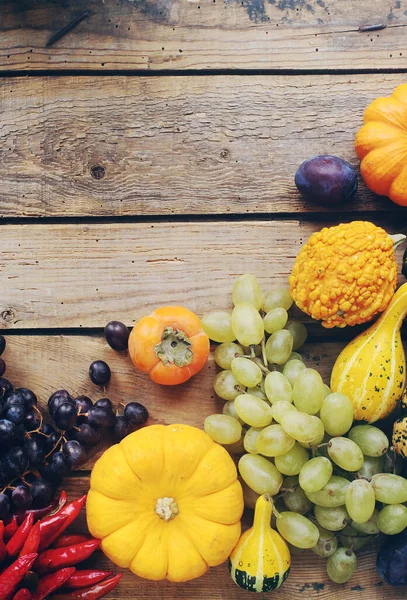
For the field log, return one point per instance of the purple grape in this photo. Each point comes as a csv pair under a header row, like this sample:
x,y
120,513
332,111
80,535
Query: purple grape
x,y
121,429
74,453
2,344
101,417
30,398
99,372
83,404
42,493
58,398
15,414
65,416
326,179
32,421
17,460
86,435
14,399
7,431
35,451
56,468
5,474
117,335
104,403
136,413
51,441
4,507
21,497
5,388
2,367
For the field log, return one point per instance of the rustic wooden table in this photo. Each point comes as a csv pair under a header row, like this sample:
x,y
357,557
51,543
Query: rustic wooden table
x,y
147,158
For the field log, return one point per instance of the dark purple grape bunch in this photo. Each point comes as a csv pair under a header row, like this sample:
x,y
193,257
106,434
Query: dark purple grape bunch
x,y
134,415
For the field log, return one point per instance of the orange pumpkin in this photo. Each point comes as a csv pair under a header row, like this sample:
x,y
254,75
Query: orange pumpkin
x,y
170,345
381,146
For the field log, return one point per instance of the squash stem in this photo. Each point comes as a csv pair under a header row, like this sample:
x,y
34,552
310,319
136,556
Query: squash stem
x,y
263,511
398,239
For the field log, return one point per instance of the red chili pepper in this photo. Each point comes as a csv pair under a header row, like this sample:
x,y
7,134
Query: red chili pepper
x,y
52,582
33,541
91,593
23,594
11,577
71,511
85,578
49,527
17,541
69,539
3,550
54,559
61,502
10,529
37,512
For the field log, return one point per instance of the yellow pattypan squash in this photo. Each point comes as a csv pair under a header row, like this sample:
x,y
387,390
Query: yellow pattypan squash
x,y
166,503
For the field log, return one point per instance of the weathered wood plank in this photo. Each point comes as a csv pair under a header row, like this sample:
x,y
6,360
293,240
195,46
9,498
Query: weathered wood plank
x,y
86,275
207,34
176,145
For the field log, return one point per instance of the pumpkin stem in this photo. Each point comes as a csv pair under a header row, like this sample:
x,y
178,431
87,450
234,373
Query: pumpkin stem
x,y
174,348
166,508
398,239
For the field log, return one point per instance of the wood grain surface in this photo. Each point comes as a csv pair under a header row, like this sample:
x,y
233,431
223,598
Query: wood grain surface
x,y
125,146
203,34
86,275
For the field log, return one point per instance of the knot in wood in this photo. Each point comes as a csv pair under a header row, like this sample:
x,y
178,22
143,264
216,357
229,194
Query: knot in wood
x,y
97,172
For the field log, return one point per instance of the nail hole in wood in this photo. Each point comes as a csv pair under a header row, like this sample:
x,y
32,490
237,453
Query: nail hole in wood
x,y
97,172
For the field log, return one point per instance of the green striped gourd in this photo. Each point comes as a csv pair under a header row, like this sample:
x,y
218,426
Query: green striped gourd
x,y
261,560
371,370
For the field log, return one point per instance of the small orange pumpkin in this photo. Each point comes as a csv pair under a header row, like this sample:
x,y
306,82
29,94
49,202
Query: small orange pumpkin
x,y
381,146
170,345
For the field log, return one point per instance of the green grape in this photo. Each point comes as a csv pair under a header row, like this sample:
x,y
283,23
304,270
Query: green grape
x,y
292,369
390,489
332,494
371,440
318,437
277,387
279,346
247,324
274,441
315,474
246,371
256,391
260,474
341,565
298,332
279,408
297,529
223,429
275,320
336,414
247,289
327,390
301,426
237,447
370,527
295,499
327,543
360,500
276,298
226,385
351,538
332,518
346,454
253,411
217,325
291,462
230,410
249,496
295,356
392,519
371,466
225,353
250,438
308,391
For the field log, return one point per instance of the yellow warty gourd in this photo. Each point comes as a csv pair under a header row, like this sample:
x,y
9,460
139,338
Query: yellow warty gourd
x,y
261,560
371,370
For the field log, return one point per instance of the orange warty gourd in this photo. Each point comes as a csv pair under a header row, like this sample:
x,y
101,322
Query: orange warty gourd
x,y
381,146
344,275
170,345
166,503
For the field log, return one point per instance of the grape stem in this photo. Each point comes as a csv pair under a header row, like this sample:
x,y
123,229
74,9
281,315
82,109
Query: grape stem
x,y
28,433
252,352
263,351
61,439
9,486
